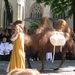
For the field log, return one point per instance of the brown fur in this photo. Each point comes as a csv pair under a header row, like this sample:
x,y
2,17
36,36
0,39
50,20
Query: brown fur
x,y
24,72
40,42
61,25
45,24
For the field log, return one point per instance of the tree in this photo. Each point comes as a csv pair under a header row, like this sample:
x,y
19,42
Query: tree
x,y
59,6
9,17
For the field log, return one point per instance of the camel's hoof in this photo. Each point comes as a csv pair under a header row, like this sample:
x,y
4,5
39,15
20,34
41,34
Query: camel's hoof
x,y
56,69
74,70
42,71
30,67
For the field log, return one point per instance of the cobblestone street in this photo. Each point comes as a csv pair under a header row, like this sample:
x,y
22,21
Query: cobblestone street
x,y
66,69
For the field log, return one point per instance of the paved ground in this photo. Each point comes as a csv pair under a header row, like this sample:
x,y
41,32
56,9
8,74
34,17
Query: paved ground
x,y
66,69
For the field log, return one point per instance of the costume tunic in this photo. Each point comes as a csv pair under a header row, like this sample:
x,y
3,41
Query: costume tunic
x,y
17,57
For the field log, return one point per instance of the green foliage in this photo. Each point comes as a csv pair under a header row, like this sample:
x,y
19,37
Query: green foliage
x,y
33,26
59,6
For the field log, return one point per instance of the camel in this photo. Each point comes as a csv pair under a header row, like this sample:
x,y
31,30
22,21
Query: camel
x,y
39,42
20,71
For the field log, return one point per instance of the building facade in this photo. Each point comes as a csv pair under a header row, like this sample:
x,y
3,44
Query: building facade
x,y
27,9
16,9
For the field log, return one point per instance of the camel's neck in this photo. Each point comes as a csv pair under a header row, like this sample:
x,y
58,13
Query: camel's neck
x,y
27,39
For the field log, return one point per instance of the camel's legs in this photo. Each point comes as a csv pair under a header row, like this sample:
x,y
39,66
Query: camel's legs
x,y
28,61
42,59
63,59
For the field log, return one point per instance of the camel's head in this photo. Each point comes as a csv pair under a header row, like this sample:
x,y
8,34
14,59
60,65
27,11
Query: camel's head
x,y
24,72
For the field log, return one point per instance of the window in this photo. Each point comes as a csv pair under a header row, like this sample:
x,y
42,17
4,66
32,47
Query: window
x,y
5,22
61,16
36,11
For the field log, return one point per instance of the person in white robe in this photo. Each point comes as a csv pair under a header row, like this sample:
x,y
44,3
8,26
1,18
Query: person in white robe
x,y
5,49
49,56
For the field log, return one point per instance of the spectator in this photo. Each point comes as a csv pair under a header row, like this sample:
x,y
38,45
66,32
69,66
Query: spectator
x,y
5,49
7,35
49,56
74,37
0,34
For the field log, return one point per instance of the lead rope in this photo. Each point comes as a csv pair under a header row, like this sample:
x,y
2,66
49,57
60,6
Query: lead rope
x,y
53,54
60,48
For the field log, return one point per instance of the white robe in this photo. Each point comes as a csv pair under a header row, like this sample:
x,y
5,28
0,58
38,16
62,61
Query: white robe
x,y
49,56
5,46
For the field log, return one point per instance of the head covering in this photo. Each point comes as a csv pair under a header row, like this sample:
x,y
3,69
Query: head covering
x,y
20,23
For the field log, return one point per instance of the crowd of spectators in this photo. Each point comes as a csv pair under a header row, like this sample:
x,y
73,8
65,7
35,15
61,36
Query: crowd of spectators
x,y
73,35
5,44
